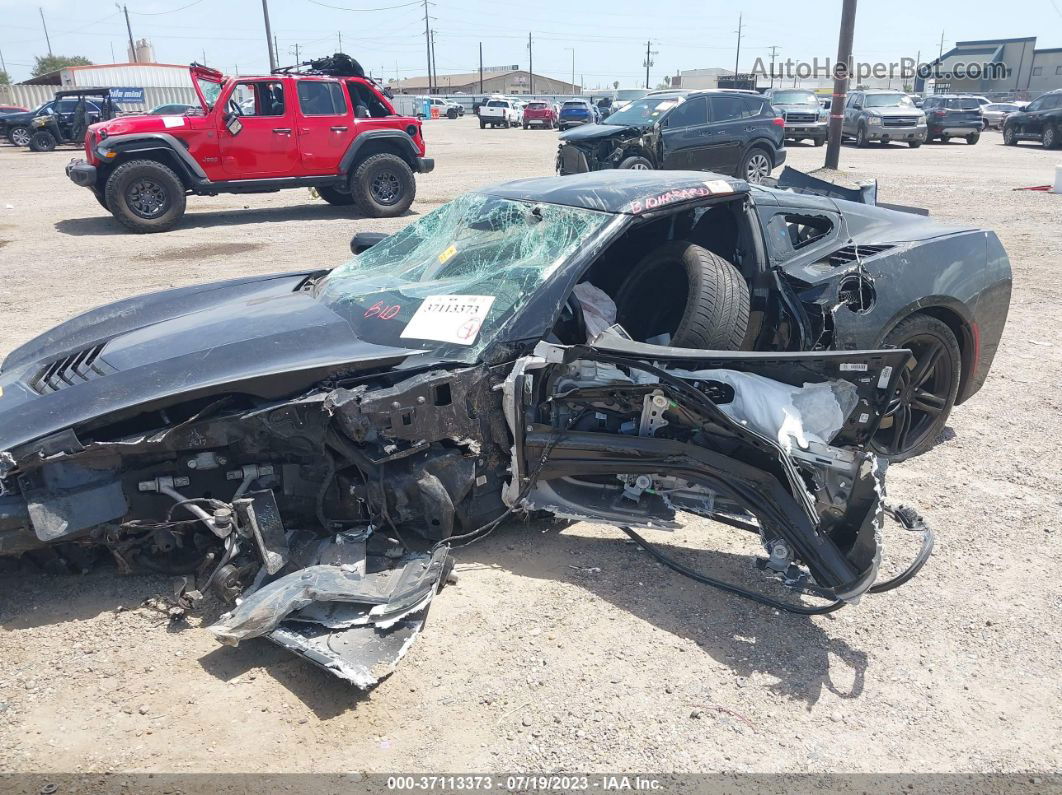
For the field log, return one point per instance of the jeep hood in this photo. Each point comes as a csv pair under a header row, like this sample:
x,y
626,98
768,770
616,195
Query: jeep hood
x,y
264,337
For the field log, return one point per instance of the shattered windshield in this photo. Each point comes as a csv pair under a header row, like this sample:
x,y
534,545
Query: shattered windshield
x,y
450,280
210,90
644,111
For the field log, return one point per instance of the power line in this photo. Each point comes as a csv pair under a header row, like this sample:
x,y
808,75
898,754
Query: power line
x,y
160,13
344,8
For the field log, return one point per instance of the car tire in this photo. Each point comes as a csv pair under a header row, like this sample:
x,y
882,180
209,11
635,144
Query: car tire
x,y
383,186
924,406
1010,135
753,165
1052,139
635,163
525,125
19,136
340,197
145,196
42,141
861,136
973,138
101,198
716,314
482,124
914,144
819,141
451,113
945,139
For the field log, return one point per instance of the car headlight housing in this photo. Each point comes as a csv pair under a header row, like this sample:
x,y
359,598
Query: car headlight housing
x,y
873,119
921,118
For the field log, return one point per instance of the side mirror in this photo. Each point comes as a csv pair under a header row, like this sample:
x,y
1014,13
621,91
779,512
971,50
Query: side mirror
x,y
363,241
361,112
233,123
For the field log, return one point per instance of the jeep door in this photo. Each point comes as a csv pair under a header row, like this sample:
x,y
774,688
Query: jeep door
x,y
684,134
325,124
264,144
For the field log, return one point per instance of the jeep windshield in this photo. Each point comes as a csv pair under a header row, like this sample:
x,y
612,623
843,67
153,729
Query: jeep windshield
x,y
887,101
643,111
450,281
794,98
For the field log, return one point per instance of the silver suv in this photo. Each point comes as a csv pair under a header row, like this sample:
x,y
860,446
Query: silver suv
x,y
804,116
883,116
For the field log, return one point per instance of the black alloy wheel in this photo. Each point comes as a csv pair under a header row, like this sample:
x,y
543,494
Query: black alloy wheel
x,y
925,392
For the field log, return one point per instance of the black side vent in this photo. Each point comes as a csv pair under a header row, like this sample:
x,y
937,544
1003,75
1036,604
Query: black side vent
x,y
74,369
852,253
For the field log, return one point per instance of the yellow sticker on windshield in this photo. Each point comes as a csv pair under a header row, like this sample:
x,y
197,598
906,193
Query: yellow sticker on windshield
x,y
446,255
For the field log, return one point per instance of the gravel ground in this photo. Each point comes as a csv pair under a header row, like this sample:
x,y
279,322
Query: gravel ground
x,y
571,650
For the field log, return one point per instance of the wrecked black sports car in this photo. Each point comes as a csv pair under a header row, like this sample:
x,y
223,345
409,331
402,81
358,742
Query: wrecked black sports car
x,y
619,346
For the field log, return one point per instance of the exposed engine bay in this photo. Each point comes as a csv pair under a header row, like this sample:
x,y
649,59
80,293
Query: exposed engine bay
x,y
328,519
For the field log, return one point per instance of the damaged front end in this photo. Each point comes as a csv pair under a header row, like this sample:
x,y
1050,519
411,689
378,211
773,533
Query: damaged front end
x,y
328,518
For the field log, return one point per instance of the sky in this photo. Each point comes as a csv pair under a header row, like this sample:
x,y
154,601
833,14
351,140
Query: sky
x,y
608,37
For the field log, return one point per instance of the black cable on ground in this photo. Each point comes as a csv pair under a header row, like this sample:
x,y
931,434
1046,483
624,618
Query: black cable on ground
x,y
910,519
671,563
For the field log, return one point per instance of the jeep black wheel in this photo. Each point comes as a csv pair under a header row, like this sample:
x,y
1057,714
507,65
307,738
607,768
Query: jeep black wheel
x,y
101,198
333,194
926,391
19,136
42,141
755,166
383,186
145,196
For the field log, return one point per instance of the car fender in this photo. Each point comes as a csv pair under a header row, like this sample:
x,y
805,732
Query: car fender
x,y
761,142
133,144
397,138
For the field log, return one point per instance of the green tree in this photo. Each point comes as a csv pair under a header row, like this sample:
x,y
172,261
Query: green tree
x,y
5,78
53,63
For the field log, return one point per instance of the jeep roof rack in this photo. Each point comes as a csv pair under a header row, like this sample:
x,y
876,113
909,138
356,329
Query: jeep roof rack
x,y
338,65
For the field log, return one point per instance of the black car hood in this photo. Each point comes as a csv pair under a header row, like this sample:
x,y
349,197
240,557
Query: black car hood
x,y
263,336
599,132
19,117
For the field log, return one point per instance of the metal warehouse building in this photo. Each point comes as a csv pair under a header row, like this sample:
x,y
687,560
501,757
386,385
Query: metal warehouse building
x,y
1020,68
142,85
509,81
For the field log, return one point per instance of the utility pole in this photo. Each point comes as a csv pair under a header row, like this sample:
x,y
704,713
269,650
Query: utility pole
x,y
276,48
941,54
427,42
648,61
841,73
434,64
129,30
3,66
481,67
530,64
774,52
573,66
269,36
340,41
296,48
45,25
737,57
204,56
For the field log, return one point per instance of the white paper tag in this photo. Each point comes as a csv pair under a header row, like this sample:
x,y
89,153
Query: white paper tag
x,y
449,318
172,121
853,367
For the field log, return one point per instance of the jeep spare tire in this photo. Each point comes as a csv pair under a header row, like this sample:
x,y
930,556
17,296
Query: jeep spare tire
x,y
145,196
685,291
383,186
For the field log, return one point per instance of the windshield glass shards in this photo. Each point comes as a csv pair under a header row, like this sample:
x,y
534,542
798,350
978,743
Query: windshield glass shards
x,y
449,281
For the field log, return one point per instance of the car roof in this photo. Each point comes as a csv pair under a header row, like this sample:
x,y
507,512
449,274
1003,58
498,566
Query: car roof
x,y
619,190
884,91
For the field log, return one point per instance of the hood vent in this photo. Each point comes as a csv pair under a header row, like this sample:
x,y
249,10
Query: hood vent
x,y
77,368
852,253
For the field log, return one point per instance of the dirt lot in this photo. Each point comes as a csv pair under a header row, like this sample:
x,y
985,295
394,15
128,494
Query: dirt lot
x,y
572,650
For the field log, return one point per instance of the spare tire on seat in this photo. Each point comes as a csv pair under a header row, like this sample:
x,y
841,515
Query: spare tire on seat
x,y
686,291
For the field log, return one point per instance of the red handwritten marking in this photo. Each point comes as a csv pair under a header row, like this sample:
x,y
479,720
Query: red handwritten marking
x,y
468,329
383,312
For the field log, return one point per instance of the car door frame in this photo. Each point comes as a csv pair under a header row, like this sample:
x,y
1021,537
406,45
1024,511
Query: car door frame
x,y
280,158
726,138
850,123
330,134
685,143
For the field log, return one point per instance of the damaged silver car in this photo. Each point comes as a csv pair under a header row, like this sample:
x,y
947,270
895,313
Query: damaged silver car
x,y
622,347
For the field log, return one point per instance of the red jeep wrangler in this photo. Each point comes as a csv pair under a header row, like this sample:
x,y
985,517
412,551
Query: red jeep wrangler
x,y
337,134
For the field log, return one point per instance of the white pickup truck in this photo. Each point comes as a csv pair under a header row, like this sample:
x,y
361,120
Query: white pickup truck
x,y
499,113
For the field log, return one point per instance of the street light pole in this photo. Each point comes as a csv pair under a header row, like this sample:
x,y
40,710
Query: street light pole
x,y
269,36
841,72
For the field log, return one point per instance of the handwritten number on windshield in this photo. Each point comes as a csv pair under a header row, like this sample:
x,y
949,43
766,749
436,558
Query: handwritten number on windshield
x,y
382,311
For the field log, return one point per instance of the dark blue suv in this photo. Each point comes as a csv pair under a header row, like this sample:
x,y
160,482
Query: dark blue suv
x,y
577,111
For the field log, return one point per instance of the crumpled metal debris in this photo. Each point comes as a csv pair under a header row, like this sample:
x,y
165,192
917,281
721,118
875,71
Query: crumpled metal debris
x,y
356,624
